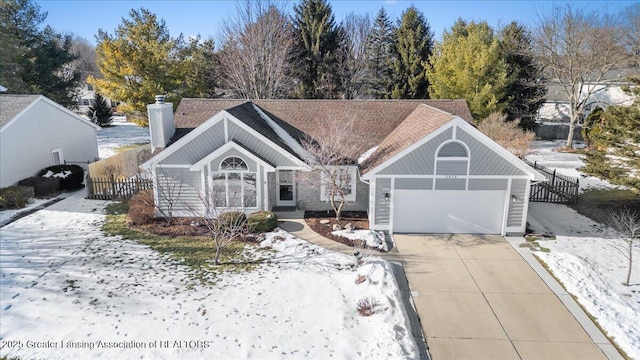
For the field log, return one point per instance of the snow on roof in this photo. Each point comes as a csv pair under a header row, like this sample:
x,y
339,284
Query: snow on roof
x,y
282,134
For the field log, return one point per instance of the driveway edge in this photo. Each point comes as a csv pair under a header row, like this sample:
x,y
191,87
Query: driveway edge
x,y
591,329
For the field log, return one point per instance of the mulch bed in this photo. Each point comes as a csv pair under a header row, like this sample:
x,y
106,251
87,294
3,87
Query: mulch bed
x,y
178,227
358,218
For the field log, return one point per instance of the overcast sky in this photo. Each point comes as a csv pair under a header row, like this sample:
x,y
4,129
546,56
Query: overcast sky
x,y
84,18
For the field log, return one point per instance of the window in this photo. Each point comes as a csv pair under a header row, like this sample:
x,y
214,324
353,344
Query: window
x,y
234,186
452,164
58,159
339,179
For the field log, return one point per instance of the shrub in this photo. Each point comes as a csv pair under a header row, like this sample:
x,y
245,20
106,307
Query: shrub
x,y
232,220
15,197
71,176
141,210
42,187
367,306
262,221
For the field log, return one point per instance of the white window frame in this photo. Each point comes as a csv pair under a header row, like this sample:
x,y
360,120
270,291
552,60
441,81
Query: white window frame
x,y
324,196
242,173
60,156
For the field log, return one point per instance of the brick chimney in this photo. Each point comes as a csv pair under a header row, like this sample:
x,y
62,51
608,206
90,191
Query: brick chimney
x,y
161,123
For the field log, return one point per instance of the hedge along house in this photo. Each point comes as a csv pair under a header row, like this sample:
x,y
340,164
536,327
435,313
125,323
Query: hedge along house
x,y
428,170
36,132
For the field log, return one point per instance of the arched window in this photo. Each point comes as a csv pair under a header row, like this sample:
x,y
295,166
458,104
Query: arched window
x,y
233,163
452,149
452,166
234,186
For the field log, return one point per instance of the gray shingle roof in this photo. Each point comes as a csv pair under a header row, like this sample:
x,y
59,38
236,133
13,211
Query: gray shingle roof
x,y
12,105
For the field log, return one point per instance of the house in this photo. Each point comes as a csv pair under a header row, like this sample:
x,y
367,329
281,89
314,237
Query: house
x,y
36,132
429,170
555,113
86,94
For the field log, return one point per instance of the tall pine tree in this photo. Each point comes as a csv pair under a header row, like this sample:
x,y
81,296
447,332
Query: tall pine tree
x,y
318,38
467,64
413,44
33,60
525,86
379,51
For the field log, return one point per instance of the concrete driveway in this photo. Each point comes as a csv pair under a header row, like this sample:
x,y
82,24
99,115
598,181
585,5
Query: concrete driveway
x,y
477,298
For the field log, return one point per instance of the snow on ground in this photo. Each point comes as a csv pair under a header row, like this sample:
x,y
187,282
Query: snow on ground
x,y
120,133
543,152
583,255
585,260
373,239
67,291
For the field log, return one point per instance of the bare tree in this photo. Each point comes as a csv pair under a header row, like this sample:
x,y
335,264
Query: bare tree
x,y
507,133
352,55
257,56
224,223
332,158
168,190
578,50
86,61
631,24
627,223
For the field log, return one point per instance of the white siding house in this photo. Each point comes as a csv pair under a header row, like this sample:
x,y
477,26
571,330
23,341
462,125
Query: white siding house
x,y
36,132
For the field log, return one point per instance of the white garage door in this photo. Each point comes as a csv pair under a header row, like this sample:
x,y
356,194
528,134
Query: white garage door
x,y
448,211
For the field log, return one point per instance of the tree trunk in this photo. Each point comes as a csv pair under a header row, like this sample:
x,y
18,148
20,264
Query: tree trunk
x,y
216,258
630,243
572,129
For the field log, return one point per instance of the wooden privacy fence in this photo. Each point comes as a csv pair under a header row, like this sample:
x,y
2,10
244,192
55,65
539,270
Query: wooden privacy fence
x,y
116,189
557,189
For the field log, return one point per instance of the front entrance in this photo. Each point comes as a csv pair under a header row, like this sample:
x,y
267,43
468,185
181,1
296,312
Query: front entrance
x,y
285,188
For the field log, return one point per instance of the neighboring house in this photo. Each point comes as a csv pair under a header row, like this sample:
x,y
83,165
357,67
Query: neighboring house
x,y
36,132
86,94
431,171
608,92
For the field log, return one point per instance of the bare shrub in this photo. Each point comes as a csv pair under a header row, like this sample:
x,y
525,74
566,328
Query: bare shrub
x,y
141,209
627,223
367,306
507,133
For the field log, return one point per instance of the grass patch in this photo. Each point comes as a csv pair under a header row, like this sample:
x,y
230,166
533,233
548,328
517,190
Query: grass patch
x,y
123,148
597,203
534,242
591,317
118,208
197,252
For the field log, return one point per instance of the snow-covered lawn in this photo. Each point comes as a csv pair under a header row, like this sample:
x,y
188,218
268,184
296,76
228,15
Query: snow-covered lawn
x,y
583,256
543,152
68,291
120,134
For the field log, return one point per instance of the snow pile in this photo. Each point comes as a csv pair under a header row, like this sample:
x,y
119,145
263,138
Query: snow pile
x,y
367,154
585,260
61,175
373,239
105,297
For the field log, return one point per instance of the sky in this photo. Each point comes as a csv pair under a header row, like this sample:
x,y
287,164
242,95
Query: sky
x,y
192,17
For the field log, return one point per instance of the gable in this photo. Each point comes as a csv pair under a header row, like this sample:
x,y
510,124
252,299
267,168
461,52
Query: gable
x,y
484,157
216,132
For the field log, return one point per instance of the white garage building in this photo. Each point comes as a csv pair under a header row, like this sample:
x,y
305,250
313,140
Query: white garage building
x,y
445,176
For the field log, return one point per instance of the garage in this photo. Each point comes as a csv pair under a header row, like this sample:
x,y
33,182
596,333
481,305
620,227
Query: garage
x,y
448,211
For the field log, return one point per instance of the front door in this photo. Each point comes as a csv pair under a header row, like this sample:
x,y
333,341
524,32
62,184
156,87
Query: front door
x,y
286,190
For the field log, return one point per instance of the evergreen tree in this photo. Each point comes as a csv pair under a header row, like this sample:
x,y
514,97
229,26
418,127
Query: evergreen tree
x,y
142,60
32,60
379,51
525,86
100,111
467,64
614,143
413,44
317,41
